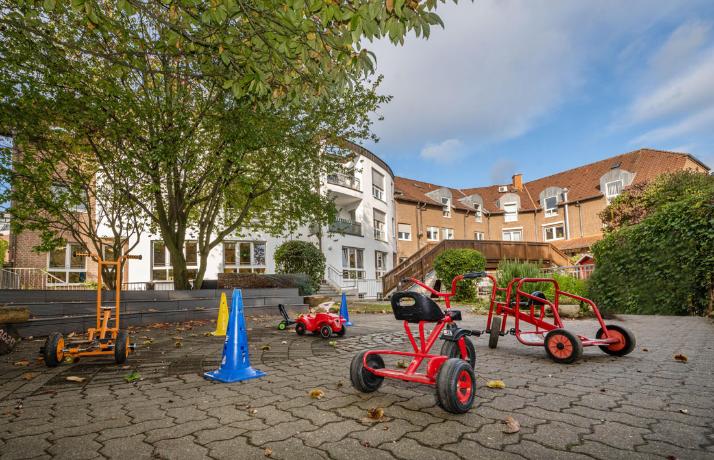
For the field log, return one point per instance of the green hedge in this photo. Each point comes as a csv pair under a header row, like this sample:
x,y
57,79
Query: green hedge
x,y
294,257
453,262
509,269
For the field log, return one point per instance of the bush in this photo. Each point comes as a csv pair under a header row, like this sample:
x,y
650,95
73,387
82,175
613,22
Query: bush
x,y
3,251
509,269
453,262
568,284
294,257
662,261
262,281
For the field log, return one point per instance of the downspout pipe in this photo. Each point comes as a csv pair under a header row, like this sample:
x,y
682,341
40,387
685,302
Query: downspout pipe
x,y
567,219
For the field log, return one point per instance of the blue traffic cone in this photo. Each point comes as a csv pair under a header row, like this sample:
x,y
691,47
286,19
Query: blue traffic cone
x,y
343,310
235,366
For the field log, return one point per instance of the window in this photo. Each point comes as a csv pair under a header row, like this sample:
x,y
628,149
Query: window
x,y
377,185
380,263
448,233
243,257
554,232
478,236
380,232
404,232
63,191
446,209
510,212
478,212
161,269
513,234
612,189
65,266
432,233
551,206
352,263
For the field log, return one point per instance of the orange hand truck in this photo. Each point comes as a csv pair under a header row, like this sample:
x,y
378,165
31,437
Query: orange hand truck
x,y
107,338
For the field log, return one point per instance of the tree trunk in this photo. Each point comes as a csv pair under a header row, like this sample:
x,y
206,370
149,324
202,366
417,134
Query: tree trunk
x,y
178,262
202,262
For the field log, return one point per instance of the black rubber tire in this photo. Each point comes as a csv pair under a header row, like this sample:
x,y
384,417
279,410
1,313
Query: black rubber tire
x,y
342,331
53,356
325,331
300,328
630,341
495,332
451,349
575,344
9,338
121,347
447,391
363,380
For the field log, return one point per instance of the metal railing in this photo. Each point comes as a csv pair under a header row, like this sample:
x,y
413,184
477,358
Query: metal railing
x,y
148,286
344,180
362,288
35,278
346,227
581,272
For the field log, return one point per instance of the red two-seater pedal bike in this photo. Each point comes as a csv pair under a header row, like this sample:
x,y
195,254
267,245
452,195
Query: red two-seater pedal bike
x,y
560,344
451,371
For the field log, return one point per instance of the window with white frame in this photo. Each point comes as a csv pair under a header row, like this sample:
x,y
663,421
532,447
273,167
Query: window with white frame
x,y
161,269
352,263
65,266
510,211
446,207
244,257
380,263
554,232
380,228
404,232
447,233
60,190
478,236
432,233
377,185
478,212
551,206
612,189
512,234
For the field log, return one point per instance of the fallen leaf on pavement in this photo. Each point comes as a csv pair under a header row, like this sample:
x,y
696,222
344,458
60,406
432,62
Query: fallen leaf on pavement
x,y
376,413
74,378
512,425
178,344
30,375
681,358
332,343
133,377
22,363
684,411
317,393
496,384
268,452
265,347
252,412
645,349
402,364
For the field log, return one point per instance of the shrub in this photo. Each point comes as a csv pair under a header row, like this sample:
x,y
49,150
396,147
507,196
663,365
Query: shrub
x,y
262,281
509,269
3,251
294,257
568,284
662,261
453,262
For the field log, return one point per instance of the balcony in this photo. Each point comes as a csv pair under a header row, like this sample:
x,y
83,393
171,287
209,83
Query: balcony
x,y
346,227
344,180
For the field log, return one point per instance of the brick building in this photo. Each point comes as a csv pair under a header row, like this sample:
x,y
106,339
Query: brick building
x,y
562,208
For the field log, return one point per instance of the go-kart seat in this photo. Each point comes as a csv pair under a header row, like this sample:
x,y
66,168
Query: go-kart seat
x,y
414,307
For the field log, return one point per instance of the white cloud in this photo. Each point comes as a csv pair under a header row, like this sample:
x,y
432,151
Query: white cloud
x,y
696,123
446,151
682,45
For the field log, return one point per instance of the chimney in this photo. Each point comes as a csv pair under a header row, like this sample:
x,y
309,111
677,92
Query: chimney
x,y
518,181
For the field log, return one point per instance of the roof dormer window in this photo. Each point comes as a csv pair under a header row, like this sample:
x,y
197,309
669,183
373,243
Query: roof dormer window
x,y
446,209
551,206
612,189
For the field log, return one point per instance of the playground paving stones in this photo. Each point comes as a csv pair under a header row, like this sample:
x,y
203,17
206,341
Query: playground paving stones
x,y
645,405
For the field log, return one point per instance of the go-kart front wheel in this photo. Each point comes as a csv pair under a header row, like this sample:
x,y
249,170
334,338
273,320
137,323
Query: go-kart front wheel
x,y
455,386
563,346
452,350
362,379
300,328
325,331
626,340
495,332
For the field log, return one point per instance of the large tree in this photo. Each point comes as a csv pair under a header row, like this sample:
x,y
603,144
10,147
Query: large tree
x,y
207,117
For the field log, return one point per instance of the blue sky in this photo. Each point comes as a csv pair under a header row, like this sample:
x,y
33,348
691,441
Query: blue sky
x,y
538,86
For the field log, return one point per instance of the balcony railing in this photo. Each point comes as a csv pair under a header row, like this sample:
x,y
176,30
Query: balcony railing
x,y
344,180
346,227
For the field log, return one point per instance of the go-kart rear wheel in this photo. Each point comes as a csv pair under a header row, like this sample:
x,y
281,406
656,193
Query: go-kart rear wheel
x,y
362,379
54,349
563,346
455,386
452,350
626,342
495,332
121,347
300,328
325,331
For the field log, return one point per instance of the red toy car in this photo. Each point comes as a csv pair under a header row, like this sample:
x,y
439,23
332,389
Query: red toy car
x,y
321,323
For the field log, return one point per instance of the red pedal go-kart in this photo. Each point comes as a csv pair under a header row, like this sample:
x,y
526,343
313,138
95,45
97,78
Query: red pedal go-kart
x,y
320,323
560,344
451,371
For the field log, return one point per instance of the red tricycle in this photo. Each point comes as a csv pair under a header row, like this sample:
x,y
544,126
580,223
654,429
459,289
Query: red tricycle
x,y
320,323
560,344
451,371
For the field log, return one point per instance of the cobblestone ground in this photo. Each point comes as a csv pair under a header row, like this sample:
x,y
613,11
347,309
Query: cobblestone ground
x,y
645,405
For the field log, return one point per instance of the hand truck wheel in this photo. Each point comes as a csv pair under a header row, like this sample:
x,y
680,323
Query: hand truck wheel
x,y
121,347
452,350
362,379
54,350
563,346
495,332
455,386
626,339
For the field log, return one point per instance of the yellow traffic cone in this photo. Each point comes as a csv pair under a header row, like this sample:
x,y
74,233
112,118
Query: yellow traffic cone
x,y
222,323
